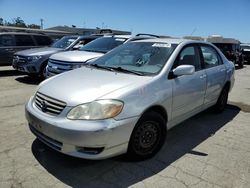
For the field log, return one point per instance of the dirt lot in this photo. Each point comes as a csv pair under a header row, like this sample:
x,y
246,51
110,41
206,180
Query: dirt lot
x,y
209,150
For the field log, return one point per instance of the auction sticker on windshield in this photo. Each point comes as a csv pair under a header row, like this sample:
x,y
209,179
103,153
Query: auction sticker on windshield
x,y
162,45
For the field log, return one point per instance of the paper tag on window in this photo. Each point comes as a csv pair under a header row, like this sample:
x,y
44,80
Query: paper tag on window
x,y
117,39
162,45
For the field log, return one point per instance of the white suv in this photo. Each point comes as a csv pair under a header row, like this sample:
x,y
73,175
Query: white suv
x,y
65,61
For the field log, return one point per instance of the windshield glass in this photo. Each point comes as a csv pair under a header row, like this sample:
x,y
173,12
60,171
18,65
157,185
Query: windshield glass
x,y
64,42
143,57
247,48
103,44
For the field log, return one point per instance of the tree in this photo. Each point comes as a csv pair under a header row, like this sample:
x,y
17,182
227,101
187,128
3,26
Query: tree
x,y
34,26
1,21
18,22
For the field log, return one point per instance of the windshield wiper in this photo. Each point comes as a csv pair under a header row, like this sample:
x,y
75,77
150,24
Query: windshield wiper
x,y
120,69
97,51
101,67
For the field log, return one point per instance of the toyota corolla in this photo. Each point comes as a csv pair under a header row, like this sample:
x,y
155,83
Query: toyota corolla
x,y
127,100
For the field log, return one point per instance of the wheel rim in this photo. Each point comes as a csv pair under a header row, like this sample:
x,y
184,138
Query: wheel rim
x,y
146,138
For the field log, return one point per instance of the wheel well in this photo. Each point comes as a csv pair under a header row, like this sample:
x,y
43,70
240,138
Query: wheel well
x,y
227,85
43,65
160,110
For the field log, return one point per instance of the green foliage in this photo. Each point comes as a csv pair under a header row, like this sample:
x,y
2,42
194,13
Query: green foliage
x,y
18,22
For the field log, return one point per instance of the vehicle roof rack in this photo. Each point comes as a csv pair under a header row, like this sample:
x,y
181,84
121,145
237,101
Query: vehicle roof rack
x,y
146,34
105,31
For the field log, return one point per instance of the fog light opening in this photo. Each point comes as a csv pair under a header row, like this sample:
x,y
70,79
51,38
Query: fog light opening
x,y
88,150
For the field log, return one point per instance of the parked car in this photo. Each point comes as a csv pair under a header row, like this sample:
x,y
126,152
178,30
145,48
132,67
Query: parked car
x,y
246,52
34,61
12,42
68,61
65,61
126,100
230,48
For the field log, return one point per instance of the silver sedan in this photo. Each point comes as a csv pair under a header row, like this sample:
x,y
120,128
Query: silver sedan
x,y
127,100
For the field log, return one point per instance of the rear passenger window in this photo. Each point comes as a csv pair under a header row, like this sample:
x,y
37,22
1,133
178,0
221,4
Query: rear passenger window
x,y
210,57
6,40
42,40
188,56
24,40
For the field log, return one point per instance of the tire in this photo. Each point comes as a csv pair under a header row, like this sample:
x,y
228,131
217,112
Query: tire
x,y
222,100
147,137
42,73
241,64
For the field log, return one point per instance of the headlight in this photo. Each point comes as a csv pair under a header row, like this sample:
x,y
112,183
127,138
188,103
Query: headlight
x,y
76,66
96,110
33,58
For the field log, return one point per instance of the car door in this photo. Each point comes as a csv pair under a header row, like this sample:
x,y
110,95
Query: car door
x,y
215,71
6,49
188,90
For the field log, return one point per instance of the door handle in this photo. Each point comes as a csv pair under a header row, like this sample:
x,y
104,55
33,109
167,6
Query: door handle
x,y
222,70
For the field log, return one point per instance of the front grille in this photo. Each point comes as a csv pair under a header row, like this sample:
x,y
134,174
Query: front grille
x,y
20,59
49,105
58,67
45,139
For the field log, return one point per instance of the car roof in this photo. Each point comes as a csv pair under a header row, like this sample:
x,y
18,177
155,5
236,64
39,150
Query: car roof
x,y
118,36
21,33
167,40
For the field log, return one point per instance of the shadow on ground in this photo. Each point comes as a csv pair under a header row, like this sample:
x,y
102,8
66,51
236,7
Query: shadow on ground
x,y
32,80
118,172
5,73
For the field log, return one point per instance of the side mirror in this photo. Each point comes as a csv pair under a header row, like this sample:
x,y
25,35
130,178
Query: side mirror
x,y
77,47
184,70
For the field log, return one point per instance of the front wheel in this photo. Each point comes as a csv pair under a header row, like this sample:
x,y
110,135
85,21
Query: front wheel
x,y
147,137
43,72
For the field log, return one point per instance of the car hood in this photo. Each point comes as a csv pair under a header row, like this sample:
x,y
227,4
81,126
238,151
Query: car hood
x,y
39,51
75,56
87,84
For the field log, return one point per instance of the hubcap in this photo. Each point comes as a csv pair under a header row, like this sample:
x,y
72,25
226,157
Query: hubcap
x,y
146,137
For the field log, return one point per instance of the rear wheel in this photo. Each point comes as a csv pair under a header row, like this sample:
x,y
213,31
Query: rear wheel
x,y
222,100
147,137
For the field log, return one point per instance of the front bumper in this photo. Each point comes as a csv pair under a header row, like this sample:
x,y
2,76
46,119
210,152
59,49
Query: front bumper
x,y
104,138
26,68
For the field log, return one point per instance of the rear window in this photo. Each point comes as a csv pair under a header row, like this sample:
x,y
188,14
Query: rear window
x,y
42,40
224,47
6,40
103,44
24,40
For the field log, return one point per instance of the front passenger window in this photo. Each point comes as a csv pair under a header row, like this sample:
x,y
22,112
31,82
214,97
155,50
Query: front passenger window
x,y
188,56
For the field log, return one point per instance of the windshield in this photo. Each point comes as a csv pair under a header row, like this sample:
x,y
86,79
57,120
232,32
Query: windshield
x,y
147,58
103,44
64,42
246,48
